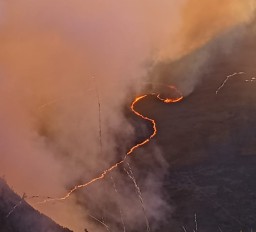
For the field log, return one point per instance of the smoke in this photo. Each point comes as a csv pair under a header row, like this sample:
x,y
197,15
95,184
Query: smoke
x,y
201,23
50,53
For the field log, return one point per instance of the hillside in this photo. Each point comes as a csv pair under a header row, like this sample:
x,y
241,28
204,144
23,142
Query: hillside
x,y
18,216
209,139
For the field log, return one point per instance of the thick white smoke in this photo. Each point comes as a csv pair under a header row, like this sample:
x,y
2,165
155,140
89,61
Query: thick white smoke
x,y
55,56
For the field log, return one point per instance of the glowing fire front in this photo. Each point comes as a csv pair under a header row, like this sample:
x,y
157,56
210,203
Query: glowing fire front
x,y
178,97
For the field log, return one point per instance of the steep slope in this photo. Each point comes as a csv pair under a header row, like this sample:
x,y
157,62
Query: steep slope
x,y
209,139
18,216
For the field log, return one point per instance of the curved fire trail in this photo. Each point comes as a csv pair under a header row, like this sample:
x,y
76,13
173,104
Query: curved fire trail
x,y
178,97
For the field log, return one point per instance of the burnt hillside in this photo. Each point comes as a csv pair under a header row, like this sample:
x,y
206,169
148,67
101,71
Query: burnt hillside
x,y
209,139
18,216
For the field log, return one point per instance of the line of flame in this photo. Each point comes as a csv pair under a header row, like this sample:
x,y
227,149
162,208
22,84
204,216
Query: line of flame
x,y
152,121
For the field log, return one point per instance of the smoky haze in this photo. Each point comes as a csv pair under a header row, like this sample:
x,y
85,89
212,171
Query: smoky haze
x,y
55,58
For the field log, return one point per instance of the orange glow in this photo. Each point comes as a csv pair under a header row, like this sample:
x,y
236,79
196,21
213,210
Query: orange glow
x,y
132,149
169,100
178,98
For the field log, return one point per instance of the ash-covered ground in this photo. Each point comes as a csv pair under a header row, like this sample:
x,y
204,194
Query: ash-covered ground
x,y
209,140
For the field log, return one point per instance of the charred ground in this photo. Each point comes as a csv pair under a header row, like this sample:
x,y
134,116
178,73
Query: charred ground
x,y
209,139
23,217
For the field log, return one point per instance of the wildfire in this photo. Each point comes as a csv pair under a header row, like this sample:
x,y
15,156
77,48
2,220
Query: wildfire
x,y
178,98
227,79
169,100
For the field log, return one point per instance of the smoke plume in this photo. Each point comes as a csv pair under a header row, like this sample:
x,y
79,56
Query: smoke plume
x,y
55,57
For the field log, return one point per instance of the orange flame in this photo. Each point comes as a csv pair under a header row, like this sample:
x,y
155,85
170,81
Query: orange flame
x,y
152,121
